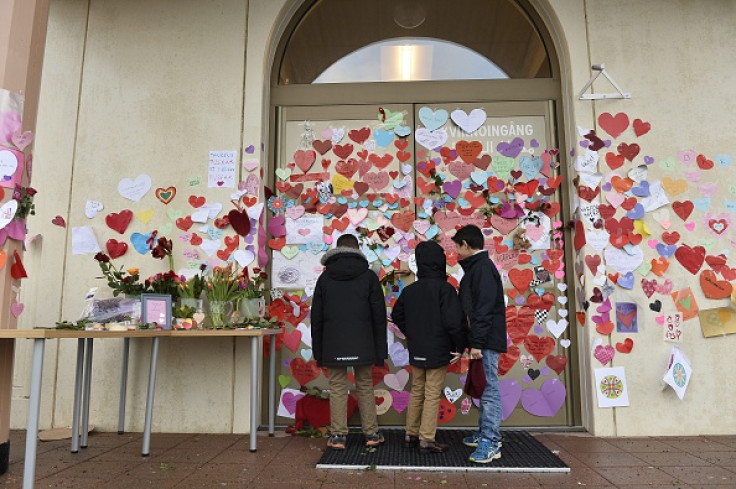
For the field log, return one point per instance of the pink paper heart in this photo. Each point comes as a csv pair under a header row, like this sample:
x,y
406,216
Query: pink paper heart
x,y
659,319
690,226
400,401
250,165
604,354
22,140
693,176
16,308
653,243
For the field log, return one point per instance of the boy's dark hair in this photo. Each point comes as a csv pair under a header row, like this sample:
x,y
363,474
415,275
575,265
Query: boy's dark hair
x,y
348,241
471,234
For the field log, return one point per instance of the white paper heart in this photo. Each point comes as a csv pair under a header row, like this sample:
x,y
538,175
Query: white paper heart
x,y
565,343
244,257
557,327
430,139
210,246
453,395
92,207
8,163
306,334
469,122
212,209
254,211
200,215
134,189
7,212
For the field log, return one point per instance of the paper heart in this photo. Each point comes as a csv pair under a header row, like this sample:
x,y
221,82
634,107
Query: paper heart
x,y
546,401
430,139
469,122
400,400
511,392
7,212
397,381
144,215
16,308
613,125
452,395
432,119
21,140
604,354
244,257
166,195
116,248
140,242
119,221
134,189
92,207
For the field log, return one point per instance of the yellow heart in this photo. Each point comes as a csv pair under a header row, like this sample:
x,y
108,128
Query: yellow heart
x,y
340,183
145,215
641,228
674,187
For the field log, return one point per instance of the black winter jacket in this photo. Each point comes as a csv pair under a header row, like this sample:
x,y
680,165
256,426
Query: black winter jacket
x,y
429,313
348,312
481,294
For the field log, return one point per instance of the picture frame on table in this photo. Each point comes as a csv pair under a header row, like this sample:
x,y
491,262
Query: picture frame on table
x,y
156,308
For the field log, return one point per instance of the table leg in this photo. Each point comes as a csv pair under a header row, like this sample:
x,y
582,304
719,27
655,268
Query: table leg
x,y
271,385
77,395
123,386
87,387
34,408
149,401
253,392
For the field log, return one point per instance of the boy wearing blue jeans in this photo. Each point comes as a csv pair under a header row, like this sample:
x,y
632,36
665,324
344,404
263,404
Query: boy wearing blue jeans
x,y
482,298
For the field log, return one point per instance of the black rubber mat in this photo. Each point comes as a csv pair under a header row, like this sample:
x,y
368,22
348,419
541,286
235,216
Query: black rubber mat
x,y
520,453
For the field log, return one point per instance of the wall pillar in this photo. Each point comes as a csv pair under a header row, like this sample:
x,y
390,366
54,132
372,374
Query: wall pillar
x,y
22,41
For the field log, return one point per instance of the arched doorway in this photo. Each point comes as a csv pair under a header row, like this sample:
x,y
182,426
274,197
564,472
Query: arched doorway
x,y
427,116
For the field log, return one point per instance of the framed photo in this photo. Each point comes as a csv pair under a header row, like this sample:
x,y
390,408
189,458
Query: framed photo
x,y
156,308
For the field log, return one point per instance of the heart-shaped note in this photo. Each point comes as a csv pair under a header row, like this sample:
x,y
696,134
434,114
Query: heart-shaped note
x,y
134,189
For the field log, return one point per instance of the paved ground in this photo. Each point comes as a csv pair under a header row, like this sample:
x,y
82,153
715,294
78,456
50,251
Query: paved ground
x,y
212,461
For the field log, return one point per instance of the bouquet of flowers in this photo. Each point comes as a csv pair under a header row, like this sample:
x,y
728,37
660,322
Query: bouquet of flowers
x,y
252,286
222,285
120,281
165,283
192,288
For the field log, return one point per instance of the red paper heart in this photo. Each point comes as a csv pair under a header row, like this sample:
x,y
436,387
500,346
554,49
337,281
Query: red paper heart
x,y
240,221
116,248
613,125
626,346
593,261
58,221
614,161
539,347
359,135
683,209
641,127
690,258
468,151
119,221
196,202
322,147
304,159
556,363
704,163
579,239
184,223
671,238
304,372
628,151
519,322
507,360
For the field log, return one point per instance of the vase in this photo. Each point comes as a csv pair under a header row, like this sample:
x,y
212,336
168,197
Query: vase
x,y
196,304
220,313
253,308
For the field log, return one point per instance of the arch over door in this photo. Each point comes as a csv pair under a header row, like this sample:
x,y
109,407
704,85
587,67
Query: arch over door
x,y
382,161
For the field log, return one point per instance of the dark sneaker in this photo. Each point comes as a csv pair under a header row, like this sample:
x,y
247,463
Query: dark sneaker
x,y
486,452
410,441
432,447
472,440
374,440
337,442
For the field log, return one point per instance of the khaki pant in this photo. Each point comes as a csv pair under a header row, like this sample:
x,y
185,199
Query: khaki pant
x,y
339,399
424,403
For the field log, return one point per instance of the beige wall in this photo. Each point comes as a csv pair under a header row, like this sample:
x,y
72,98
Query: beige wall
x,y
152,86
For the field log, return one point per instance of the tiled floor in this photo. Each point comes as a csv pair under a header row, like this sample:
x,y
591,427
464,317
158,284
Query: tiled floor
x,y
211,461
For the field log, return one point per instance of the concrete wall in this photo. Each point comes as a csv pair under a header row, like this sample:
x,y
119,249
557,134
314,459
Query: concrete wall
x,y
152,86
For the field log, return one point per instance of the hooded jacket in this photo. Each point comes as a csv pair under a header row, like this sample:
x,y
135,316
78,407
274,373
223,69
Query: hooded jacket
x,y
481,294
428,311
348,312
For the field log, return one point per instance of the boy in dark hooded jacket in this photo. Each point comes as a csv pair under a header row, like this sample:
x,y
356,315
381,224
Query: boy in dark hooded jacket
x,y
429,313
349,330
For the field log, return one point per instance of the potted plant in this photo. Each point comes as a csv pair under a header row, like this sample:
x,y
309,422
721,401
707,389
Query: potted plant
x,y
221,290
252,289
183,316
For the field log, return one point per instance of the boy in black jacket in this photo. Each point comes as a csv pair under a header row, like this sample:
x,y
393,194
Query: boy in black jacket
x,y
428,312
349,330
482,297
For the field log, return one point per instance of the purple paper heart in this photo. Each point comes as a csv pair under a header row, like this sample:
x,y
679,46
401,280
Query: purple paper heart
x,y
399,355
452,188
626,281
250,149
400,400
520,300
534,143
584,143
544,370
607,187
511,149
607,143
546,401
642,190
510,394
538,329
636,213
666,251
648,160
289,399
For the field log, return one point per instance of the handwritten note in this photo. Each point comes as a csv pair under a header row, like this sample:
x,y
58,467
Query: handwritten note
x,y
222,169
304,230
673,331
84,241
296,273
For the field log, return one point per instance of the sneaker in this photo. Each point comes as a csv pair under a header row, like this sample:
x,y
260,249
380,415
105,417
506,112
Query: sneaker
x,y
486,452
472,440
337,442
410,441
374,440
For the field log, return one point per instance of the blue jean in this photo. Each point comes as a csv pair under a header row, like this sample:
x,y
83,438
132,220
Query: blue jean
x,y
490,402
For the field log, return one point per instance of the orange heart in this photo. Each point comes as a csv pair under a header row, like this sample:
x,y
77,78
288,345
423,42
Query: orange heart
x,y
605,328
581,318
622,184
660,265
626,346
714,288
3,259
674,187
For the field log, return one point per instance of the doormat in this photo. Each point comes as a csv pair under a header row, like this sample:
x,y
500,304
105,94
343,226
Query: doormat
x,y
521,452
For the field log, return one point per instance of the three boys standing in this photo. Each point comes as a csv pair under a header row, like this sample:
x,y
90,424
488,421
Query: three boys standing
x,y
349,329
